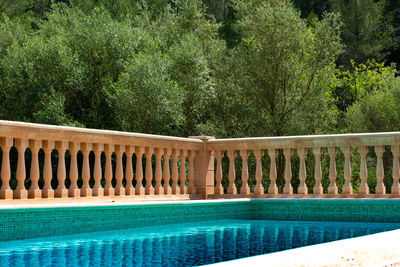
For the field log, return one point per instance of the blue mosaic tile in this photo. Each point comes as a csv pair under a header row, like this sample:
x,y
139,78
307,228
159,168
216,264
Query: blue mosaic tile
x,y
40,222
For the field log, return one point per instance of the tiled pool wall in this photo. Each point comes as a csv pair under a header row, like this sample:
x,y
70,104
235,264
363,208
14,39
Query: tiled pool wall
x,y
21,223
40,222
345,210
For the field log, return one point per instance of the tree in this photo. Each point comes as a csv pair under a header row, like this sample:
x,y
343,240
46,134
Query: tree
x,y
146,99
364,33
392,19
279,74
378,92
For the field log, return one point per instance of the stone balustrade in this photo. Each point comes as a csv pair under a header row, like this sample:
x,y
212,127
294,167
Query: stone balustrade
x,y
118,168
310,148
44,161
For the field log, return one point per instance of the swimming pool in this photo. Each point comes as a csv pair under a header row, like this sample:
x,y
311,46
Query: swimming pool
x,y
184,244
186,233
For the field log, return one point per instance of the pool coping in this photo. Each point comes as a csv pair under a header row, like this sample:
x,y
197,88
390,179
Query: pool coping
x,y
381,249
128,202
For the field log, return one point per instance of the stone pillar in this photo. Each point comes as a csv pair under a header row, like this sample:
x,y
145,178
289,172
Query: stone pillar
x,y
204,169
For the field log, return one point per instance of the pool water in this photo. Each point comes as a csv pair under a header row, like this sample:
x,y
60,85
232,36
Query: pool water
x,y
180,244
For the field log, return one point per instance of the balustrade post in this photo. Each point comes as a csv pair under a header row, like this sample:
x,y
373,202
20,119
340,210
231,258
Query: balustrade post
x,y
288,189
34,191
395,170
97,190
167,172
347,187
47,191
218,190
20,192
191,187
129,190
273,188
232,175
363,190
149,190
175,188
61,190
259,188
318,189
332,189
86,190
245,189
158,189
301,151
119,171
73,190
5,191
204,168
380,187
182,172
108,172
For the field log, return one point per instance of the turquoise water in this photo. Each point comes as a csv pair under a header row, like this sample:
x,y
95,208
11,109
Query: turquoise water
x,y
185,244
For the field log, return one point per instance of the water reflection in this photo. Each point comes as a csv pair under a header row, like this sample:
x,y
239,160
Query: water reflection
x,y
179,245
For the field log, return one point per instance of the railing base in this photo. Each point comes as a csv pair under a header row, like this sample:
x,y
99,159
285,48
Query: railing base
x,y
310,196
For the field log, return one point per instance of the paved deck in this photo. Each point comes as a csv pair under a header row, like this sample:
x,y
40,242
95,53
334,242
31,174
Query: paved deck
x,y
382,249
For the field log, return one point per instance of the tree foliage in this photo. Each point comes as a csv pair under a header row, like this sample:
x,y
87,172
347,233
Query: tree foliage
x,y
226,68
280,71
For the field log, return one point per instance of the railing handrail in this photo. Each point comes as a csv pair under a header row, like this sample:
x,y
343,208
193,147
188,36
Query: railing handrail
x,y
51,132
306,141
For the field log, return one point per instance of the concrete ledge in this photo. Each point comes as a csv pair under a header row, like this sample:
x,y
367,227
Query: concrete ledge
x,y
106,201
380,249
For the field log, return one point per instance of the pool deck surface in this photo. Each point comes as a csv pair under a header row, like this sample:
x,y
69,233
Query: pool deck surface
x,y
382,249
95,201
145,200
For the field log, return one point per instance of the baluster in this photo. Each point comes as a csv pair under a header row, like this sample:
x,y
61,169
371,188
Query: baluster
x,y
108,172
380,187
86,191
175,188
166,172
129,190
98,190
273,188
232,176
73,190
258,189
245,189
158,190
288,189
139,171
218,190
149,190
191,188
395,170
301,151
318,189
182,173
119,171
47,191
332,189
61,190
34,191
347,187
20,192
5,191
364,190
